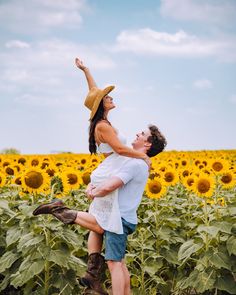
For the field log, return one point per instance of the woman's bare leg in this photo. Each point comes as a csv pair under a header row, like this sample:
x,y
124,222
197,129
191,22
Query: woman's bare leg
x,y
95,242
88,221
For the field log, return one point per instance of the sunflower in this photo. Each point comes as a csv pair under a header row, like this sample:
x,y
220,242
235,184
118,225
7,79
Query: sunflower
x,y
9,170
155,188
35,180
170,176
71,179
35,161
86,177
188,182
51,169
184,172
2,179
219,165
204,185
227,179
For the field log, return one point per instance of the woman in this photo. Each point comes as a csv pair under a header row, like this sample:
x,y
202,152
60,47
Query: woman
x,y
107,140
104,212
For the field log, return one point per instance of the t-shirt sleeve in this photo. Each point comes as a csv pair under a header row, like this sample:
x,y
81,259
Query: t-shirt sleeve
x,y
128,171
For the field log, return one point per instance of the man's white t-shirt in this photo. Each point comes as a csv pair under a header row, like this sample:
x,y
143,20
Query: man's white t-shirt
x,y
134,174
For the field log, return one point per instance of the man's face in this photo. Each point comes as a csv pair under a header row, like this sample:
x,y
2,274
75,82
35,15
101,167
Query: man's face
x,y
141,139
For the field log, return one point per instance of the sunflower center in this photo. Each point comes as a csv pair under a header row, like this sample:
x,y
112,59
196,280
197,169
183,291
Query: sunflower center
x,y
185,173
86,178
226,178
72,178
18,181
5,164
9,171
22,161
203,186
44,165
190,181
154,187
50,172
217,166
34,162
169,177
34,179
0,179
83,161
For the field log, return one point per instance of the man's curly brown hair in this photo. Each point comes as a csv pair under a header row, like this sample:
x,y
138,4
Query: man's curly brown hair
x,y
157,140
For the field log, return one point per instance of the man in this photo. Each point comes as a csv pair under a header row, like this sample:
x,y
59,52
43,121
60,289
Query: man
x,y
130,181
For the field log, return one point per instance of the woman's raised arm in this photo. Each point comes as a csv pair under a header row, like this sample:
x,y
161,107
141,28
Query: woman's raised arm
x,y
88,76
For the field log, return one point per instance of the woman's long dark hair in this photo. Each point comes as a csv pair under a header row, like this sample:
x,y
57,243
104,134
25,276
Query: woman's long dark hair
x,y
99,115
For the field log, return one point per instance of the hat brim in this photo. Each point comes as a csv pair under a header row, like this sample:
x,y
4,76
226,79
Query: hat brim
x,y
105,91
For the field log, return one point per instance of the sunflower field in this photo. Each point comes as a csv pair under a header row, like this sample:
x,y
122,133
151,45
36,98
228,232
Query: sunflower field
x,y
185,242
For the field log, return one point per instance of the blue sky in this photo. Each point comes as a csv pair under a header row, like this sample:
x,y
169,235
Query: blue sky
x,y
172,62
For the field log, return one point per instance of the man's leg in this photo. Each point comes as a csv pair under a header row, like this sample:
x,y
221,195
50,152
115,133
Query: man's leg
x,y
115,247
117,277
127,278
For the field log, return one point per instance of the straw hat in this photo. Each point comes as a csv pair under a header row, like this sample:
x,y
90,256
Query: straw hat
x,y
94,98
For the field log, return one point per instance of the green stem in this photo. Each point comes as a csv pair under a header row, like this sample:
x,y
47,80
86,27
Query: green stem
x,y
47,265
206,222
142,264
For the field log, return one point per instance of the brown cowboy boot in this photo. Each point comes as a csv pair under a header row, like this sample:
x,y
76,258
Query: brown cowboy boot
x,y
57,209
92,279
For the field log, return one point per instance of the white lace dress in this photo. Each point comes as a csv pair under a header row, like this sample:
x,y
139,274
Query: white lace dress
x,y
106,209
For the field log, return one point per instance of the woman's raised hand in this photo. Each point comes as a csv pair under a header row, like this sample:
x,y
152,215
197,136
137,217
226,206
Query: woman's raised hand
x,y
80,64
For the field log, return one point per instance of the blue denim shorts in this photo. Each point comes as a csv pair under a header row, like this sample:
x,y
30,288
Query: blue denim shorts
x,y
115,244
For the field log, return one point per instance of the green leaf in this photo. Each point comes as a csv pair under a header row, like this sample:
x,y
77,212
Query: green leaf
x,y
231,245
226,283
4,204
224,226
151,269
5,282
212,230
170,255
188,248
58,257
221,260
20,278
7,260
70,237
204,282
201,281
13,235
29,240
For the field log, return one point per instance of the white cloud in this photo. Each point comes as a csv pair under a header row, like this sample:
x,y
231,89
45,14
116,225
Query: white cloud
x,y
180,44
203,84
197,10
46,70
29,16
17,44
